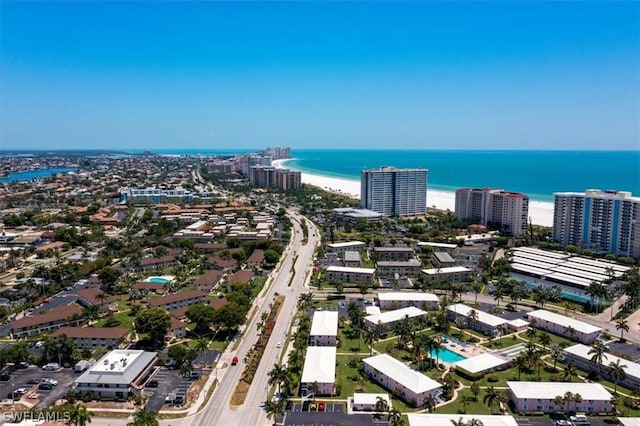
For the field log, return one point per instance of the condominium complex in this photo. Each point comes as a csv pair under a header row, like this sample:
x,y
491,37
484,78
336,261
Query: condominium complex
x,y
509,210
602,221
394,192
269,176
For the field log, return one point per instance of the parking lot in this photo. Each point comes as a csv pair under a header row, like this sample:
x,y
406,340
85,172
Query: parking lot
x,y
19,379
169,382
332,419
541,421
317,406
631,350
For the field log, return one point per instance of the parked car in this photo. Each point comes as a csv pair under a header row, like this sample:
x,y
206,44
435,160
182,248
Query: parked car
x,y
35,381
321,406
23,364
45,386
52,366
5,377
313,406
234,361
54,382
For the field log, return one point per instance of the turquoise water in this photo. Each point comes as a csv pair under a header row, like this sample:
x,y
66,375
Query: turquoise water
x,y
34,174
565,294
447,355
158,280
536,173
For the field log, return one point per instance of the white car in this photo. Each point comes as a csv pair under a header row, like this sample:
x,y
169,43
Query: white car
x,y
279,345
54,382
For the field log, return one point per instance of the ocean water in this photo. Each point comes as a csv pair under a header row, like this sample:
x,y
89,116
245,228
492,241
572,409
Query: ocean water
x,y
34,174
536,173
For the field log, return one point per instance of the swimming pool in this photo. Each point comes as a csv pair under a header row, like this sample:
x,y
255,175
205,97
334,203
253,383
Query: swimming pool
x,y
565,294
447,355
160,280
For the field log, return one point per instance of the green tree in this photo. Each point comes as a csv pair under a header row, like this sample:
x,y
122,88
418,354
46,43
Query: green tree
x,y
395,417
278,376
623,326
230,316
617,373
202,315
597,353
144,418
79,415
492,397
155,322
475,390
109,277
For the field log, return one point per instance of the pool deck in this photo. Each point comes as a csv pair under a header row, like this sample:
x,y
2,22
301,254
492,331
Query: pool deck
x,y
468,351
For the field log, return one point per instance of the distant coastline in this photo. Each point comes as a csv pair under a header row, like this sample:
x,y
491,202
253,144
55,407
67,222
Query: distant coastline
x,y
27,175
541,213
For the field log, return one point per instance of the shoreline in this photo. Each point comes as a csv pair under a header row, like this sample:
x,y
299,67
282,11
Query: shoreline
x,y
541,212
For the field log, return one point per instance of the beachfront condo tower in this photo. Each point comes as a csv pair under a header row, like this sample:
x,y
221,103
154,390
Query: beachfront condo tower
x,y
394,192
507,211
601,221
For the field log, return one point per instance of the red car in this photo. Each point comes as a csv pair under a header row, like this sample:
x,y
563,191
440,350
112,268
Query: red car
x,y
234,361
320,406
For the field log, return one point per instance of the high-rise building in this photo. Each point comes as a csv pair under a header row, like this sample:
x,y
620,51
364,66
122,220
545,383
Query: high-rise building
x,y
394,192
601,221
488,206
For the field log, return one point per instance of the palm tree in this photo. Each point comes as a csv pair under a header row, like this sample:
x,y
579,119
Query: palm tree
x,y
475,422
79,416
570,331
274,409
521,362
304,300
617,373
491,397
144,418
395,417
544,339
568,372
577,398
556,353
623,326
536,362
278,375
568,397
459,422
530,333
382,406
185,369
430,403
473,316
314,388
597,353
369,340
558,400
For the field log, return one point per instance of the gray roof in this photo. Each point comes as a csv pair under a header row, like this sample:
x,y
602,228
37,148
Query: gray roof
x,y
443,257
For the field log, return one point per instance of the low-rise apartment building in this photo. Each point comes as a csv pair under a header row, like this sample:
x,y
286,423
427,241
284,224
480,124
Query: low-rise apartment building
x,y
391,269
456,274
324,329
368,401
52,320
385,321
541,396
179,300
393,254
350,275
478,320
319,370
564,326
396,300
411,386
150,263
341,247
579,356
209,280
89,297
94,337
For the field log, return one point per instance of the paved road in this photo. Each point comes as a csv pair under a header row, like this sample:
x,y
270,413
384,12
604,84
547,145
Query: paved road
x,y
218,411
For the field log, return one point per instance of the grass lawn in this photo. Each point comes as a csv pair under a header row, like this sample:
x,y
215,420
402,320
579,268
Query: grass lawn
x,y
123,318
457,407
348,342
502,343
325,304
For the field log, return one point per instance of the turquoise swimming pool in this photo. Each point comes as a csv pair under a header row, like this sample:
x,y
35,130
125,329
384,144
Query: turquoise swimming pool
x,y
446,355
157,280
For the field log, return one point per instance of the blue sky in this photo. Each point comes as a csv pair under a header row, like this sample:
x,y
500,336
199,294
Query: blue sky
x,y
215,75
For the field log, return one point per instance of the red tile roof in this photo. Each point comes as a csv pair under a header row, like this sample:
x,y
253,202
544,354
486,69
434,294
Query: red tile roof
x,y
92,332
176,297
58,314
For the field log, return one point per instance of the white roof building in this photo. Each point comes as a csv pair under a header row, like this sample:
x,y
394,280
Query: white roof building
x,y
483,317
319,365
448,270
407,296
629,421
418,419
345,245
482,363
118,367
370,398
325,323
395,315
582,351
564,321
401,373
549,390
349,270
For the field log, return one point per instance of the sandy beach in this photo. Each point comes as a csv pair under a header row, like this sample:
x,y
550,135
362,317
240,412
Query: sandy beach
x,y
541,213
